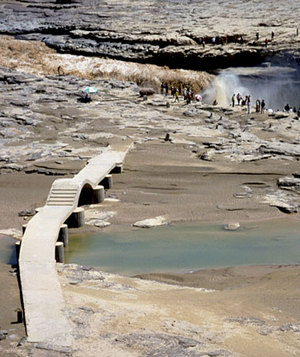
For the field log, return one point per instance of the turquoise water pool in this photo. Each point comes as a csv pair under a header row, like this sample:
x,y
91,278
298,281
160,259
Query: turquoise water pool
x,y
187,247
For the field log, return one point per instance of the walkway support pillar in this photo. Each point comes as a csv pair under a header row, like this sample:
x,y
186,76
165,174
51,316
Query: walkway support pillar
x,y
59,252
76,218
24,226
98,194
63,235
107,182
18,247
118,169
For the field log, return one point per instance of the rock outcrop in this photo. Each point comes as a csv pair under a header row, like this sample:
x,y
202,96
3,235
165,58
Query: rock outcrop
x,y
176,34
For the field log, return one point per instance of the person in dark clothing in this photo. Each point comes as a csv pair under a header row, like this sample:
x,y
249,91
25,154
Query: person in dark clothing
x,y
262,105
173,91
257,106
60,71
287,108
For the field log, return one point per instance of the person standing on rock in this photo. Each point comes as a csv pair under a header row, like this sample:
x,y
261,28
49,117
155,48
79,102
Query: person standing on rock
x,y
257,105
167,89
60,71
262,106
248,103
189,96
266,42
257,36
162,87
173,91
272,35
238,97
177,95
233,100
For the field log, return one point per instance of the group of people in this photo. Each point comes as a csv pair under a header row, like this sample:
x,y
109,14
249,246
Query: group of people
x,y
260,104
237,38
164,89
266,39
287,108
221,40
175,92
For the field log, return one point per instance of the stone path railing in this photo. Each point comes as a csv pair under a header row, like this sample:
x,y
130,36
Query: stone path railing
x,y
43,300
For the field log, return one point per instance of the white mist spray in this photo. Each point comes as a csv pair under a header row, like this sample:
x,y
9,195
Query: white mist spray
x,y
222,88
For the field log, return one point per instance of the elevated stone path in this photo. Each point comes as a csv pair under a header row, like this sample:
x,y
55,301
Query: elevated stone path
x,y
45,317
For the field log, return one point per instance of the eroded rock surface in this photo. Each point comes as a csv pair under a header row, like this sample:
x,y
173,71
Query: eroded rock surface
x,y
165,33
135,317
57,133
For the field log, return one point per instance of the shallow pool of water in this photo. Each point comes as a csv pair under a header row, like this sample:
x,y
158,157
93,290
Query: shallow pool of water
x,y
7,250
187,247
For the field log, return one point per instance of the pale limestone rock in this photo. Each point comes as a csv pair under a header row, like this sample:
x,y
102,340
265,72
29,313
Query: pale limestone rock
x,y
151,222
232,226
12,232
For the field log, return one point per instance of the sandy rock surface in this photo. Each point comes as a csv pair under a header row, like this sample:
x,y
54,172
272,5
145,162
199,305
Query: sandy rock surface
x,y
141,318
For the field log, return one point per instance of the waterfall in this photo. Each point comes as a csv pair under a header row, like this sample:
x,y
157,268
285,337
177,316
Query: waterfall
x,y
222,88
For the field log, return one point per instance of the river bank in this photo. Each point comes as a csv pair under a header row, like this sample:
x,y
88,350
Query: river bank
x,y
242,311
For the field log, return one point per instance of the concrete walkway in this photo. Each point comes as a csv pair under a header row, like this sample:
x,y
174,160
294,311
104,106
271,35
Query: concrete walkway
x,y
46,321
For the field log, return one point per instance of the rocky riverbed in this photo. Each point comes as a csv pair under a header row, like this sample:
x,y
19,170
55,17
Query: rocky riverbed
x,y
187,162
47,130
219,164
160,32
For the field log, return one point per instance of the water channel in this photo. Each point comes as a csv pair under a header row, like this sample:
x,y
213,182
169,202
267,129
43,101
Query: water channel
x,y
185,247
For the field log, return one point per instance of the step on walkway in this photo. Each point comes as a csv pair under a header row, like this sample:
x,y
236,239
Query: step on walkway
x,y
44,306
62,197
